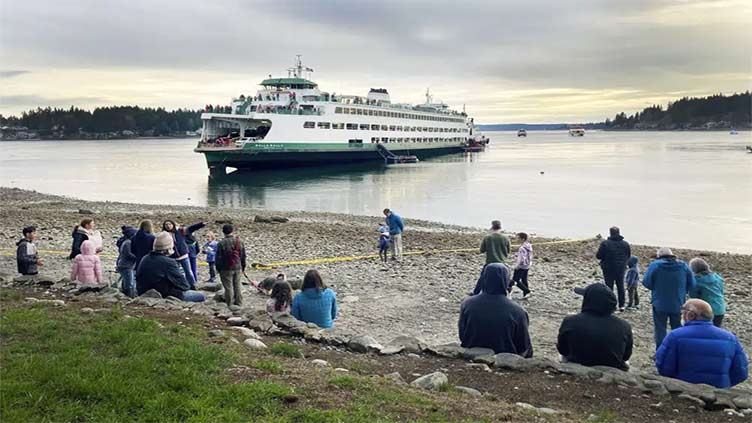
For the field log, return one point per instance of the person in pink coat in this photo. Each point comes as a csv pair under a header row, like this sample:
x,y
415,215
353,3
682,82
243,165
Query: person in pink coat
x,y
87,268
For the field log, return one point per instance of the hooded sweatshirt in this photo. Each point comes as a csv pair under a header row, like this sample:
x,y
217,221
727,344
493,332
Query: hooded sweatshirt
x,y
87,267
491,320
26,257
524,256
614,253
632,277
669,280
595,336
314,305
126,259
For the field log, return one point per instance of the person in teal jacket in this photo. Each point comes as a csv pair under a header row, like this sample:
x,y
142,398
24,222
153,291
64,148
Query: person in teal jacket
x,y
315,303
709,288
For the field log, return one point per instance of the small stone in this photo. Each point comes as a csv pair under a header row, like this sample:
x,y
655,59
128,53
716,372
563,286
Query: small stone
x,y
690,398
413,355
31,300
363,344
216,333
396,377
152,293
234,307
432,381
254,344
57,303
530,407
237,321
87,310
743,401
341,370
318,362
350,299
469,391
471,353
245,332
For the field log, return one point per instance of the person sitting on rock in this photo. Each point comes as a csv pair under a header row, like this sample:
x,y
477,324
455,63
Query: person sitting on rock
x,y
315,303
491,320
595,337
87,267
281,298
160,272
700,352
27,259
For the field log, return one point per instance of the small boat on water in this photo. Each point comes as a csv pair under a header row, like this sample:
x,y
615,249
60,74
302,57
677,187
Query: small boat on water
x,y
576,132
733,131
522,133
749,149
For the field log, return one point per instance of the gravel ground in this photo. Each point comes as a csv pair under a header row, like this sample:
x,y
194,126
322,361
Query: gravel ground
x,y
419,297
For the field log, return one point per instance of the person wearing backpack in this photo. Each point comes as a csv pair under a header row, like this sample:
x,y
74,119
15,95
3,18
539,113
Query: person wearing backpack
x,y
230,262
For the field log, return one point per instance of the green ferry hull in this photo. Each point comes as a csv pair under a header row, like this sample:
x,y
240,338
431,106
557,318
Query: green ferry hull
x,y
279,156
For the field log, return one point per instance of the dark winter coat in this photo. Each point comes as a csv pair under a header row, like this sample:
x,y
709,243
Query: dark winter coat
x,y
491,320
595,337
614,253
26,257
162,273
142,244
79,236
181,247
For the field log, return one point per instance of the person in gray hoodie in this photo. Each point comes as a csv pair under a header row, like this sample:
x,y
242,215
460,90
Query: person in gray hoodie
x,y
126,263
522,266
26,254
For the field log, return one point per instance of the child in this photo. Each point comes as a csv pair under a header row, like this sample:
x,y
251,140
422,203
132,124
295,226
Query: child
x,y
281,298
210,249
26,253
383,242
522,266
87,268
632,279
126,263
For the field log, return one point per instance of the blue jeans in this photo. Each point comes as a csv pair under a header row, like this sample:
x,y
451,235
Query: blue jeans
x,y
185,264
659,324
128,282
193,297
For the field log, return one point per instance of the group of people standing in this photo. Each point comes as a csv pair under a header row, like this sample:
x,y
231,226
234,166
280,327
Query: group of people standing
x,y
700,351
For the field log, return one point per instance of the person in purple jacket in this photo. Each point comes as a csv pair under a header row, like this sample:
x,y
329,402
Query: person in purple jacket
x,y
700,352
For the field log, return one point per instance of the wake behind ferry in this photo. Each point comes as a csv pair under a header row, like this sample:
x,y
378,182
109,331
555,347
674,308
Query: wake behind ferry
x,y
291,122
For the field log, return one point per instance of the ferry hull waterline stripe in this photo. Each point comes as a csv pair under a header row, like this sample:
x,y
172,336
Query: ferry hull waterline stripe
x,y
290,122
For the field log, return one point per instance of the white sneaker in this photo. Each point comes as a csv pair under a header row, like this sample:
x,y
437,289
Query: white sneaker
x,y
526,296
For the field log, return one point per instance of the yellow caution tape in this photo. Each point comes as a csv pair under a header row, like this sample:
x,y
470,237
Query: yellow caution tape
x,y
8,252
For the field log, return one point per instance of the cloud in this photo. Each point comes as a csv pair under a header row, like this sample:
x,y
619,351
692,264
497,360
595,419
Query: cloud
x,y
32,101
11,73
468,52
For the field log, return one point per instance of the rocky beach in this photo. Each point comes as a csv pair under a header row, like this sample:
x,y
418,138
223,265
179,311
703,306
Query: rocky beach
x,y
419,297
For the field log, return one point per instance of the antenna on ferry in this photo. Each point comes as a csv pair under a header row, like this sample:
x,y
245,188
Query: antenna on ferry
x,y
428,95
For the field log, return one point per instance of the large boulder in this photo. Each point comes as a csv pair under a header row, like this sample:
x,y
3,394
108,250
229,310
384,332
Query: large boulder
x,y
472,353
433,381
262,323
211,287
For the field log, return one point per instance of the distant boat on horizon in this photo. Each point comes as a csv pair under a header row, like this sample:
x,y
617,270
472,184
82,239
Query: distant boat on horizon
x,y
522,133
577,132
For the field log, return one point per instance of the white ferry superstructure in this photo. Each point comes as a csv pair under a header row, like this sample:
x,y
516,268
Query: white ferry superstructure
x,y
291,122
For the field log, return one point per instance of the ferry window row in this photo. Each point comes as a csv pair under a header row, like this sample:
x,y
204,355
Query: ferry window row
x,y
374,127
385,140
389,113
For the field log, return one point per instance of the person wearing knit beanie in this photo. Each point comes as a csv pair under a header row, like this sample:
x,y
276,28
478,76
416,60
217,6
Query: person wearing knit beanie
x,y
164,242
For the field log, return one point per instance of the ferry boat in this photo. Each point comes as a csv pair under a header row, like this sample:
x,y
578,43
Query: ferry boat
x,y
522,133
291,122
576,132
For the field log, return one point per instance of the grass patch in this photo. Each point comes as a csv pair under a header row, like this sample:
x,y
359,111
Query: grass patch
x,y
9,295
57,364
270,366
285,350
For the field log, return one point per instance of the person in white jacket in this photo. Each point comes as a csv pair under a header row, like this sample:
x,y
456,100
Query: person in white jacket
x,y
522,266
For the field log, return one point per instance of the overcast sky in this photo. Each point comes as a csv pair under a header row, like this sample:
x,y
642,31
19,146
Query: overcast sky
x,y
507,61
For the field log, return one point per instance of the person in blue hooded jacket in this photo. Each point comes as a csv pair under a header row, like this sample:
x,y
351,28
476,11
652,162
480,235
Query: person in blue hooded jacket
x,y
709,288
396,227
699,352
491,320
315,303
669,281
143,242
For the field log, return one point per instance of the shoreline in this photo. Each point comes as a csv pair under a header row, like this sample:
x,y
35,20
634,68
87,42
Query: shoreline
x,y
419,297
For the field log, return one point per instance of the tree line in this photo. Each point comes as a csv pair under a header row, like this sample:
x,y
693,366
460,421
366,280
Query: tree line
x,y
75,121
713,112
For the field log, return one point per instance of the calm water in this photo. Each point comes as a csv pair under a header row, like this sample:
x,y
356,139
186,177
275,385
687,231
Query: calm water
x,y
680,189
